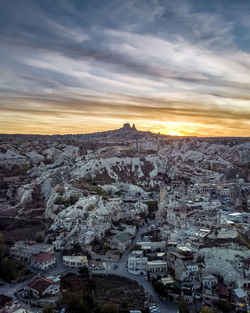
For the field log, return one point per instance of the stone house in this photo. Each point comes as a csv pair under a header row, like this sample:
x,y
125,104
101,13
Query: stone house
x,y
40,287
137,265
25,249
43,261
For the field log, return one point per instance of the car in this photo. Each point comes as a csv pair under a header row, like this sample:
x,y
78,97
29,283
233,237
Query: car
x,y
153,308
197,296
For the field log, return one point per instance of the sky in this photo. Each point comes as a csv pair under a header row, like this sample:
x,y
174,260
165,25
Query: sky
x,y
176,67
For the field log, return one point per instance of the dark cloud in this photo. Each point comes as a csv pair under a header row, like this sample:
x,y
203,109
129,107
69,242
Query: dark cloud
x,y
99,47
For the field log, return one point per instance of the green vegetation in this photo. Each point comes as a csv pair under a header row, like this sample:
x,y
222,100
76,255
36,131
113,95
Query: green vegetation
x,y
90,208
59,200
152,206
109,307
243,240
77,302
87,186
99,293
182,304
99,191
66,201
106,247
1,247
23,168
84,271
118,193
206,309
9,270
160,288
48,309
40,237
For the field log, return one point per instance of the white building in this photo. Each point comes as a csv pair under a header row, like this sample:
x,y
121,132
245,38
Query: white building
x,y
157,266
191,267
25,249
137,265
152,245
75,261
209,281
43,261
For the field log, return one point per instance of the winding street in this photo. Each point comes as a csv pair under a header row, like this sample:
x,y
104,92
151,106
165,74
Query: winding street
x,y
121,270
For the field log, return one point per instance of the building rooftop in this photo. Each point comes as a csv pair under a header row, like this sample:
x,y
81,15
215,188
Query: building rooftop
x,y
134,258
43,257
167,280
89,233
157,262
40,284
32,243
75,258
184,249
123,237
240,293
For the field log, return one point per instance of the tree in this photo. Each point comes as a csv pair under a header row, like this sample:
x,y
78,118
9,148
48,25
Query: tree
x,y
206,309
182,304
40,237
1,247
109,307
90,300
82,307
48,309
84,271
59,200
160,289
8,270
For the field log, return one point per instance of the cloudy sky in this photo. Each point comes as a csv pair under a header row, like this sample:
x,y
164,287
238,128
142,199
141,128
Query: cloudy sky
x,y
177,67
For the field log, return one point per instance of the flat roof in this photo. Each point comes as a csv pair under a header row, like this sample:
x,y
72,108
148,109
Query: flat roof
x,y
157,262
75,258
167,280
134,258
89,233
160,254
184,249
240,293
123,237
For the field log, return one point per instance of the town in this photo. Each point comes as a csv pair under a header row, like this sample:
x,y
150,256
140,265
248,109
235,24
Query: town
x,y
164,220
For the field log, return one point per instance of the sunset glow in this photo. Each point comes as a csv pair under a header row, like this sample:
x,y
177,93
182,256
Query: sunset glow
x,y
181,68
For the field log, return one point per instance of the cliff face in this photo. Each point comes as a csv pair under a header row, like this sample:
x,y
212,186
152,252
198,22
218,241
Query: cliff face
x,y
126,155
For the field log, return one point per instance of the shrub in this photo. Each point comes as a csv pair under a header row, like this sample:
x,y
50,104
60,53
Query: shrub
x,y
109,307
59,200
90,208
8,270
40,237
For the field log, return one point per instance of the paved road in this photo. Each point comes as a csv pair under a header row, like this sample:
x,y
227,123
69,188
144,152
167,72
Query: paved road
x,y
121,270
